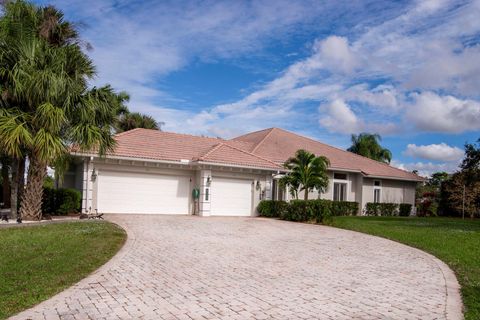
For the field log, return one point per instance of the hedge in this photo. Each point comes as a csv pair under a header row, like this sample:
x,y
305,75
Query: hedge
x,y
344,208
405,209
271,208
61,201
318,210
387,209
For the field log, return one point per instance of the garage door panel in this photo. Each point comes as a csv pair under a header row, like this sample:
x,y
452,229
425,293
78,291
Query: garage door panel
x,y
231,197
120,192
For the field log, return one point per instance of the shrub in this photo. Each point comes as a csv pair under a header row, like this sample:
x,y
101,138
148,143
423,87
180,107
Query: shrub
x,y
299,210
271,208
344,208
322,210
319,210
266,208
405,209
61,201
381,209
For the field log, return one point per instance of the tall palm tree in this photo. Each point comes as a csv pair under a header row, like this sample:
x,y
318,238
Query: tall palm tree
x,y
368,145
45,104
307,172
132,120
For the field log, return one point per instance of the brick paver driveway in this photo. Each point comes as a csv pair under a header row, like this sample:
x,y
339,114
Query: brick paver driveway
x,y
184,267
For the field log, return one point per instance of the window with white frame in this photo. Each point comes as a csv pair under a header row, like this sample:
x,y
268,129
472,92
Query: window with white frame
x,y
340,186
377,191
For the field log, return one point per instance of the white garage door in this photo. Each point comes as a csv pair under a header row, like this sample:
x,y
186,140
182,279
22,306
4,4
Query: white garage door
x,y
120,192
231,197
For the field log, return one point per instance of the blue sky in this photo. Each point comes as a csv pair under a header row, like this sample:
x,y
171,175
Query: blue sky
x,y
409,70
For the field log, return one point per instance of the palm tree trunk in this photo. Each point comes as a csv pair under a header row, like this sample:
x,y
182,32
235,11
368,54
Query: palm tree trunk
x,y
14,190
31,206
305,196
18,182
5,182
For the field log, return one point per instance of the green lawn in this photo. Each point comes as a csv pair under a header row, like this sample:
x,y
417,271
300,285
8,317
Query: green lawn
x,y
37,262
455,241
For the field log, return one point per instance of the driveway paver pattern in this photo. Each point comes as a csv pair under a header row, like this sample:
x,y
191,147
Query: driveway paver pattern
x,y
187,267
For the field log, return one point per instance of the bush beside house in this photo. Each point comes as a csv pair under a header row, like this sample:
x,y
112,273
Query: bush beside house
x,y
322,210
318,210
61,201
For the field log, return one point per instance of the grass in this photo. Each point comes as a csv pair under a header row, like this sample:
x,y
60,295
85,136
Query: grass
x,y
36,262
455,241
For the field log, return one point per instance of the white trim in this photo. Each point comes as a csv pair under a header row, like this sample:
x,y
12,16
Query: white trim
x,y
379,187
344,181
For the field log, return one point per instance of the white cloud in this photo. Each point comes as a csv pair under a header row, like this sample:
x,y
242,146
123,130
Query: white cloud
x,y
435,152
336,54
362,80
432,112
340,118
425,169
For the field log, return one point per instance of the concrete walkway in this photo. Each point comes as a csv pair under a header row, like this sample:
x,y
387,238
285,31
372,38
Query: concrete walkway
x,y
185,267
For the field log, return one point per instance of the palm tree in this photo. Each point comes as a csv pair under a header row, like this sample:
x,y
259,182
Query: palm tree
x,y
132,120
45,104
368,145
307,172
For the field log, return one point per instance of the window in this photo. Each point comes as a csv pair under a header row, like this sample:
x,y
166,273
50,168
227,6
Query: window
x,y
340,176
377,191
376,195
339,191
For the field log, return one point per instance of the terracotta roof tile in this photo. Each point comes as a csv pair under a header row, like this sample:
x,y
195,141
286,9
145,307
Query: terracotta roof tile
x,y
267,148
228,154
278,145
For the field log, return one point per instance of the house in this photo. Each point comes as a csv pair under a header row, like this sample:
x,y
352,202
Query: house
x,y
155,172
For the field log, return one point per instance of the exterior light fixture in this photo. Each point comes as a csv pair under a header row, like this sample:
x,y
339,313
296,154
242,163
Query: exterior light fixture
x,y
258,185
209,180
94,175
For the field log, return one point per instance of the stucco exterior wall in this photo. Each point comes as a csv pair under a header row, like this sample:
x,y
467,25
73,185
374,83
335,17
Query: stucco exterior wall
x,y
392,191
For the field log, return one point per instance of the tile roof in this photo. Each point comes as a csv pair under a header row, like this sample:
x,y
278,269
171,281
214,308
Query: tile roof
x,y
278,145
168,146
267,149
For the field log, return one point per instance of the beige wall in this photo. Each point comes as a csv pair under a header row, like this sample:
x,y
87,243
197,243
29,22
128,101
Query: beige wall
x,y
393,191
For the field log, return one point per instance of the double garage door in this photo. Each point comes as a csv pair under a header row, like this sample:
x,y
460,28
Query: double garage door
x,y
121,192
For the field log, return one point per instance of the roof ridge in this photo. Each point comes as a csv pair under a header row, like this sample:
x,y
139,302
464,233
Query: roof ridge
x,y
252,154
210,151
349,152
264,138
172,133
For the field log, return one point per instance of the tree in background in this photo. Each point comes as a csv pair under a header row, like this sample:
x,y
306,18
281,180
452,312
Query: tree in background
x,y
306,172
368,145
133,120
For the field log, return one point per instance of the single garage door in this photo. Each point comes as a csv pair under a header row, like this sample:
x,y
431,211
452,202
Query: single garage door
x,y
120,192
231,197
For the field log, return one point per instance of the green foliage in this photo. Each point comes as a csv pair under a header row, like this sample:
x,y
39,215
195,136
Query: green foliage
x,y
133,120
368,145
271,208
306,172
344,208
381,209
404,209
61,201
318,211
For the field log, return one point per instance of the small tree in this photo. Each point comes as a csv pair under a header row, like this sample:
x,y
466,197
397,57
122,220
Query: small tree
x,y
307,172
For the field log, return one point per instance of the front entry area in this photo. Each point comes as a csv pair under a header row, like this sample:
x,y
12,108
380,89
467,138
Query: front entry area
x,y
231,197
144,193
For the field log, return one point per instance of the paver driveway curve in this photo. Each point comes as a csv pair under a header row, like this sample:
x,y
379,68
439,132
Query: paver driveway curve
x,y
186,267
